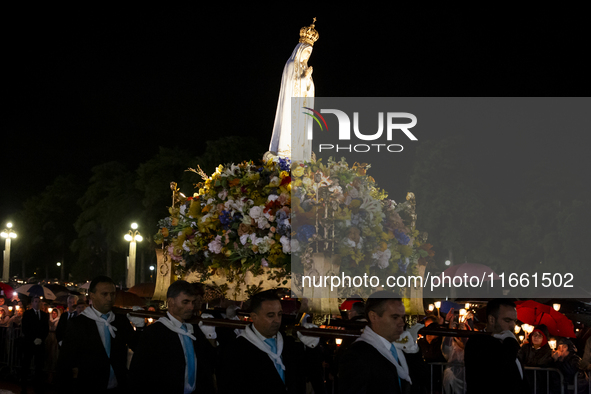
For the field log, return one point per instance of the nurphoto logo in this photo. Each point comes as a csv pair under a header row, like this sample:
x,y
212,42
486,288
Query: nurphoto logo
x,y
344,132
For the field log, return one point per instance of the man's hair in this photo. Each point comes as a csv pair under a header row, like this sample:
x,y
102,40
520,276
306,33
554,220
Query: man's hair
x,y
97,280
358,307
377,303
257,300
180,286
493,306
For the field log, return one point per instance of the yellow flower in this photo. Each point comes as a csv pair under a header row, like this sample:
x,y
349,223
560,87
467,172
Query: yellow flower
x,y
298,171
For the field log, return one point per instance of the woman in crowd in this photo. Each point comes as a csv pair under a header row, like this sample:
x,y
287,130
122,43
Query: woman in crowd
x,y
536,352
51,346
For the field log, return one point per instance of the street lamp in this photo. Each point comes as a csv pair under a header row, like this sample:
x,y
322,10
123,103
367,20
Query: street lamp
x,y
132,237
59,264
9,234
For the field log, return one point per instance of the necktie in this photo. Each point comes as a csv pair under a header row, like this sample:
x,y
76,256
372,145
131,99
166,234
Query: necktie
x,y
395,354
190,357
271,342
108,344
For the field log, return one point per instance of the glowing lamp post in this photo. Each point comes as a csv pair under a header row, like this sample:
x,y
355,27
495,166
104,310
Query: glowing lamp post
x,y
132,237
9,234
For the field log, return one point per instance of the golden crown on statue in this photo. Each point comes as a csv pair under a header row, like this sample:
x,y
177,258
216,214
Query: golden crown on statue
x,y
308,35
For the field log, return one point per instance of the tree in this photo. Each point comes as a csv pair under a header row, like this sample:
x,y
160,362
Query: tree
x,y
45,224
111,202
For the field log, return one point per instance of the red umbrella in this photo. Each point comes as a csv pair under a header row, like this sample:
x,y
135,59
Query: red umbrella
x,y
534,313
471,269
8,290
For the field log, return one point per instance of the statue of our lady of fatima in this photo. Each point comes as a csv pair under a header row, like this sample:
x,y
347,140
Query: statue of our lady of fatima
x,y
291,124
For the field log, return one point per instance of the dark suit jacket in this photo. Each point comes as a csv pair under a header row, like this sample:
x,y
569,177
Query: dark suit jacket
x,y
363,370
62,326
246,369
83,349
34,327
490,366
158,363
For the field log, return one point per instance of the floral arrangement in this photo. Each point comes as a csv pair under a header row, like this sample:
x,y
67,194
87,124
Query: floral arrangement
x,y
339,209
249,217
239,221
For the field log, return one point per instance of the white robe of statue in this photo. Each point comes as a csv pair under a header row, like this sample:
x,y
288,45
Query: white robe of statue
x,y
295,82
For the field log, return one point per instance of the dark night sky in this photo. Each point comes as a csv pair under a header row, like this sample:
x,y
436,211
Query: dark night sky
x,y
85,86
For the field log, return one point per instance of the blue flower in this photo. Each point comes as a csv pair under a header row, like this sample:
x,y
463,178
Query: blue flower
x,y
226,219
305,232
401,237
284,164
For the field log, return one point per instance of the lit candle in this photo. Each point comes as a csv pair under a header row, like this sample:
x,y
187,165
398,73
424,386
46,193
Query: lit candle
x,y
552,344
338,341
517,329
17,307
9,309
437,304
150,320
431,307
556,307
521,338
49,310
467,306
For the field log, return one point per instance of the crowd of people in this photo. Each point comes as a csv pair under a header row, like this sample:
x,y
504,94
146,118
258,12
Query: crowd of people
x,y
92,349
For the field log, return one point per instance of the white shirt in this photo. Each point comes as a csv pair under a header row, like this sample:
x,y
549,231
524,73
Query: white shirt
x,y
101,329
189,386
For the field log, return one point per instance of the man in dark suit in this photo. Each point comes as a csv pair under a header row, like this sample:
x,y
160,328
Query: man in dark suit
x,y
491,360
93,356
262,360
68,314
183,357
35,325
369,364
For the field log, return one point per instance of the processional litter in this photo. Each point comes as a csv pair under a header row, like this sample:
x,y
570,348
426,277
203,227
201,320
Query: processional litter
x,y
288,220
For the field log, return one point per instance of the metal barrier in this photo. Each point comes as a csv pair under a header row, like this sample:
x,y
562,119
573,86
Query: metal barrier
x,y
442,366
10,349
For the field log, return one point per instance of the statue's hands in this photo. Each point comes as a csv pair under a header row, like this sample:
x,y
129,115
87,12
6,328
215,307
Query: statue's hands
x,y
308,72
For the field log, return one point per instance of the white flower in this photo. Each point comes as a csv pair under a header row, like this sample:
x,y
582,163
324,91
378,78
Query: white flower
x,y
246,220
183,209
286,244
186,246
216,245
273,197
243,239
383,258
255,212
262,223
223,194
